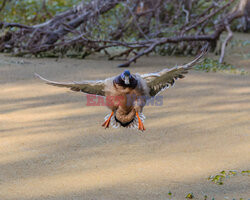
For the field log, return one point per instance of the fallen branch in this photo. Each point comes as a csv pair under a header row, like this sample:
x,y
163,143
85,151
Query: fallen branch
x,y
207,17
84,30
223,47
147,51
10,25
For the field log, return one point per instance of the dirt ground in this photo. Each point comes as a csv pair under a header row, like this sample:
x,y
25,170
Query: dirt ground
x,y
52,146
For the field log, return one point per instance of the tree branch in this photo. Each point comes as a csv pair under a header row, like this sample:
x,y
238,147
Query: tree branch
x,y
223,47
3,4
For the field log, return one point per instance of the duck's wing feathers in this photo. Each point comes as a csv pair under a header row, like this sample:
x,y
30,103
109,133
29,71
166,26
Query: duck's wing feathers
x,y
90,87
159,81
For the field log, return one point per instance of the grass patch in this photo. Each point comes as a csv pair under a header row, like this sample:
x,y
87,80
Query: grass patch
x,y
219,178
211,65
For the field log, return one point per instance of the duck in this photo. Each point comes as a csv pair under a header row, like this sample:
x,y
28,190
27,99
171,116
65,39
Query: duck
x,y
126,94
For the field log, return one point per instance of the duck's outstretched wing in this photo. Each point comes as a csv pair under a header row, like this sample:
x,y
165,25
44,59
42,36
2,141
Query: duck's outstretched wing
x,y
90,87
159,81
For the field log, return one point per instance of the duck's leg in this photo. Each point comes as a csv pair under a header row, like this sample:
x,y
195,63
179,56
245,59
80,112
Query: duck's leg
x,y
107,122
140,124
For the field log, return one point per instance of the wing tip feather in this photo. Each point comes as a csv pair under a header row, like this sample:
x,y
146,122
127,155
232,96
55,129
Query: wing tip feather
x,y
39,76
203,52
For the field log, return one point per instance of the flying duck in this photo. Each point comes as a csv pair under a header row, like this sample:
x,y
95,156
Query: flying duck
x,y
128,93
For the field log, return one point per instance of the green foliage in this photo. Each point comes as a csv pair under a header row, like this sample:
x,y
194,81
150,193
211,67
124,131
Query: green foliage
x,y
30,12
211,65
119,21
246,172
190,195
242,47
219,178
240,43
170,196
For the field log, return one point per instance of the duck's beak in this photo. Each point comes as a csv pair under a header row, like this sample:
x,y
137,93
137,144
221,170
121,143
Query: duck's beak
x,y
126,80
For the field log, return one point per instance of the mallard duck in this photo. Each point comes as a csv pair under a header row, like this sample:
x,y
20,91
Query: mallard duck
x,y
133,91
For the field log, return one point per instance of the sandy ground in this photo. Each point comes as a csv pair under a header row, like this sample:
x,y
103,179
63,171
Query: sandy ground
x,y
52,146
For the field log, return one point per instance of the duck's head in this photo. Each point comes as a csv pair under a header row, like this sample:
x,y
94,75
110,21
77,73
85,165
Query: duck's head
x,y
126,76
126,80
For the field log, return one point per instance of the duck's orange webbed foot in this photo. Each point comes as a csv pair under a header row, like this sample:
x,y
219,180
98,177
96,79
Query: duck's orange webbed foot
x,y
140,124
107,122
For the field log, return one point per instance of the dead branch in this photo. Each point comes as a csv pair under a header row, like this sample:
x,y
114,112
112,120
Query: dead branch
x,y
187,14
147,51
223,47
207,17
152,26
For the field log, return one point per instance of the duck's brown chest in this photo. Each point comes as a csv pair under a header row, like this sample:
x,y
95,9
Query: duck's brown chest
x,y
121,97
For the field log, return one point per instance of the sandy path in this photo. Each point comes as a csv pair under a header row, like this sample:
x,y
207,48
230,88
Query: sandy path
x,y
53,147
